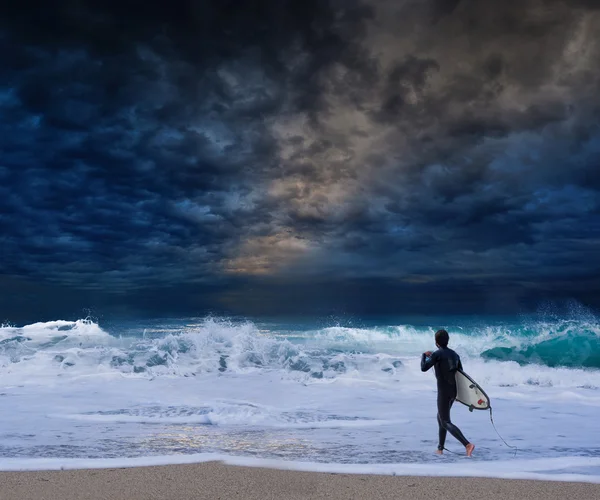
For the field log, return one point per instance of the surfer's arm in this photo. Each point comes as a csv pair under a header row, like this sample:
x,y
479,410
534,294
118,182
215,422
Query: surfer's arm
x,y
428,361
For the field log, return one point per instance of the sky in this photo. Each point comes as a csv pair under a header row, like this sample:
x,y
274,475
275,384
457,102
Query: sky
x,y
296,156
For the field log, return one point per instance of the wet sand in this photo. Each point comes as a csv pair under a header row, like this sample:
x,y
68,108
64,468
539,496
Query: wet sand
x,y
216,481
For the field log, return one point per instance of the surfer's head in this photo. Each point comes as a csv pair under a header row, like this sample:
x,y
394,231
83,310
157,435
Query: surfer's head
x,y
441,338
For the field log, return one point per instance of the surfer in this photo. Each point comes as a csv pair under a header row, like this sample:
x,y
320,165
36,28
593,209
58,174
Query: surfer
x,y
446,363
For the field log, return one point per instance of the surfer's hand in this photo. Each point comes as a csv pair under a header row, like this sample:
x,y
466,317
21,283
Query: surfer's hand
x,y
428,353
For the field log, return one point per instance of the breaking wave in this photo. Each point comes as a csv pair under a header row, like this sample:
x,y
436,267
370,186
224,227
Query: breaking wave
x,y
217,346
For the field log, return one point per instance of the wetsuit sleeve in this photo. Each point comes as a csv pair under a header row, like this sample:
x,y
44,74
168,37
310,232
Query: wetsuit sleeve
x,y
427,363
459,364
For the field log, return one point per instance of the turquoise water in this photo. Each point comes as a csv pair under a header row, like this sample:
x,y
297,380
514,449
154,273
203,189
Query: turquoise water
x,y
571,340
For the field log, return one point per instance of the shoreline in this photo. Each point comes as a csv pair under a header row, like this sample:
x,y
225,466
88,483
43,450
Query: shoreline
x,y
217,480
554,469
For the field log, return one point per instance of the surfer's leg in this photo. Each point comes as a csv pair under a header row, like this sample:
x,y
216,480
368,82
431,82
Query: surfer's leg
x,y
448,425
442,435
443,412
455,431
459,435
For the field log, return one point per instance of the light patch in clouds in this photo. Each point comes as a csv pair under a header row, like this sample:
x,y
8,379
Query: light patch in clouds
x,y
266,255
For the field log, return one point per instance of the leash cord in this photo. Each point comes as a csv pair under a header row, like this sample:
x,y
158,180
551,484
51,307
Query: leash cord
x,y
494,426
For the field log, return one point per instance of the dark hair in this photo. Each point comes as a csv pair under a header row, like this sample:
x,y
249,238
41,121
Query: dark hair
x,y
441,338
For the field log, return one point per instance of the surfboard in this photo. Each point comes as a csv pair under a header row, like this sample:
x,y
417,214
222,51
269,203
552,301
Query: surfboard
x,y
470,393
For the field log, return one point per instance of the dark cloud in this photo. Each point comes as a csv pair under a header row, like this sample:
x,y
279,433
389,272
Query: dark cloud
x,y
211,144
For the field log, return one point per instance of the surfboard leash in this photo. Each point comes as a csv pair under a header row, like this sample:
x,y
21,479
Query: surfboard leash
x,y
494,426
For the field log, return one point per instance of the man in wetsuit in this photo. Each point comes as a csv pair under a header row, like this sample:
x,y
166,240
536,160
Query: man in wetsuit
x,y
446,362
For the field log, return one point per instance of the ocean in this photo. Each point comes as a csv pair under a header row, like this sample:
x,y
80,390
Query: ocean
x,y
330,394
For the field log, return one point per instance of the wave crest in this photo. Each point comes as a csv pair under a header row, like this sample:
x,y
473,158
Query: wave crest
x,y
220,346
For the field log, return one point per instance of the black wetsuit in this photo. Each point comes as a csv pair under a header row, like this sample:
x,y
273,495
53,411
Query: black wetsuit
x,y
446,362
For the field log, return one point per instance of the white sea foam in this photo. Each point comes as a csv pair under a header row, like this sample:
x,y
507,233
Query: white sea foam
x,y
82,328
541,469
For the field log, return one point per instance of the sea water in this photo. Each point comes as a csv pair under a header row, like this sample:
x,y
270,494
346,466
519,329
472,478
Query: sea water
x,y
322,394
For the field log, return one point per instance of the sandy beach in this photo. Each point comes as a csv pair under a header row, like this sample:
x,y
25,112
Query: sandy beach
x,y
216,481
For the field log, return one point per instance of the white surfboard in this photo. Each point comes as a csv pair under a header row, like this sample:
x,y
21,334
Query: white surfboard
x,y
470,393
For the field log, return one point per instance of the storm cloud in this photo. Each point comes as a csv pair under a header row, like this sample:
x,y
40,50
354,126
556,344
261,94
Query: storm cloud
x,y
229,147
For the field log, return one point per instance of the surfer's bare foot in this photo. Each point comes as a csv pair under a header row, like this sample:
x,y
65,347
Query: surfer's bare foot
x,y
470,447
439,452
